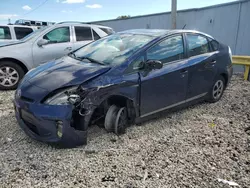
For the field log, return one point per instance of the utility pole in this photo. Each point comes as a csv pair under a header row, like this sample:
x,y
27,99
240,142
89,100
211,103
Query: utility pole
x,y
174,13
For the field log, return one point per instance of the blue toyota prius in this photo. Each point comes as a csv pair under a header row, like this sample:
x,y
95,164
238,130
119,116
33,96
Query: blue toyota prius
x,y
120,80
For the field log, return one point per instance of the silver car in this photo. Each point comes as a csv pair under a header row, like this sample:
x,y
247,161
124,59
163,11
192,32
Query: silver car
x,y
43,45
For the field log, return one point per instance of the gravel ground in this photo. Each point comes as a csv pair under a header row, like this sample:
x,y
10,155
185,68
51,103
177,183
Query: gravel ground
x,y
189,148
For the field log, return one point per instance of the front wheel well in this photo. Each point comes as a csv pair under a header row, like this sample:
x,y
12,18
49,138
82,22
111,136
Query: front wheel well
x,y
119,101
22,65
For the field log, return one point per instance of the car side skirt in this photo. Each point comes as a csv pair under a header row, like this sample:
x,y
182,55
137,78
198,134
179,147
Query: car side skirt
x,y
174,105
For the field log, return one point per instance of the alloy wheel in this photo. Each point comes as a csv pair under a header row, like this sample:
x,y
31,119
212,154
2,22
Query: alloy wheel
x,y
218,89
8,76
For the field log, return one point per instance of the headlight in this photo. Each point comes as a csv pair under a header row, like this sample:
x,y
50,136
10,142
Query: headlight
x,y
61,98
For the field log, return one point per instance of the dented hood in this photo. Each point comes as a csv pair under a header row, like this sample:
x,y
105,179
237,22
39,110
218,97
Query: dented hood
x,y
63,72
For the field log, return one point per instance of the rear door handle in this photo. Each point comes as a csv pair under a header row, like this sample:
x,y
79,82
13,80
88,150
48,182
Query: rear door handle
x,y
68,48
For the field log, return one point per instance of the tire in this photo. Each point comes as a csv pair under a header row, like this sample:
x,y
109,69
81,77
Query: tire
x,y
217,90
121,121
110,118
10,75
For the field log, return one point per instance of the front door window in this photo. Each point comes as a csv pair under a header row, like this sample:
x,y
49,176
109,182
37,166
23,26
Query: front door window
x,y
169,50
58,35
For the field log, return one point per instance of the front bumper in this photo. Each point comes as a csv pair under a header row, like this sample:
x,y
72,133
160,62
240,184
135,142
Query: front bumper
x,y
40,122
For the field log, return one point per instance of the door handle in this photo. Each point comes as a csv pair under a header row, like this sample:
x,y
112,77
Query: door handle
x,y
184,71
68,48
213,62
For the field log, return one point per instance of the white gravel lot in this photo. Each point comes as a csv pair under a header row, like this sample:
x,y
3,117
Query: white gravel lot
x,y
189,148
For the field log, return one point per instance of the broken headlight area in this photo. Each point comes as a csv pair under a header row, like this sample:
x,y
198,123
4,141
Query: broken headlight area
x,y
78,98
63,97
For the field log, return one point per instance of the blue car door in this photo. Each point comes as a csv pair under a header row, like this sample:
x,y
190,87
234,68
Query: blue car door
x,y
166,87
202,65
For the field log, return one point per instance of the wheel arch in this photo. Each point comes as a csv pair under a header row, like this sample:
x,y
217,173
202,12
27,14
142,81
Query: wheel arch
x,y
120,101
22,65
123,101
225,76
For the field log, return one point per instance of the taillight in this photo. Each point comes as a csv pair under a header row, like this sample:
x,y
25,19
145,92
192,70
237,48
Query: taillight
x,y
230,53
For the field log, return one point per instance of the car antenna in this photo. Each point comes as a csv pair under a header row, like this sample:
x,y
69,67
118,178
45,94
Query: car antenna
x,y
184,26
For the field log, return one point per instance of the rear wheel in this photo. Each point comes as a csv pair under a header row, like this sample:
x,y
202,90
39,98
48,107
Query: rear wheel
x,y
10,75
217,90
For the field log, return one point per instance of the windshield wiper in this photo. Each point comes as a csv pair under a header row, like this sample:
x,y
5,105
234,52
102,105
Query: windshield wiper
x,y
91,60
84,57
72,54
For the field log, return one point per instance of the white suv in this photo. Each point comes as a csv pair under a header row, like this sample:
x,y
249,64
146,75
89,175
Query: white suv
x,y
43,45
15,32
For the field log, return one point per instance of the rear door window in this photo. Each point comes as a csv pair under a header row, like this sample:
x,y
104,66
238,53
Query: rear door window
x,y
22,32
197,44
5,32
58,35
83,33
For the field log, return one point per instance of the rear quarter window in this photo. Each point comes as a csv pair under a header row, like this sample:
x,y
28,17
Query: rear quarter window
x,y
214,45
107,30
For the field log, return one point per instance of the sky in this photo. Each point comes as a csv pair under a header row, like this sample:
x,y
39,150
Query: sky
x,y
89,10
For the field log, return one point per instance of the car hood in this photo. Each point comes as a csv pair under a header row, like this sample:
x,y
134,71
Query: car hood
x,y
9,43
63,72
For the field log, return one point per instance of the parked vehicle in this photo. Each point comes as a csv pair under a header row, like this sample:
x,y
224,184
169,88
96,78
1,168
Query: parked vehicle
x,y
120,79
33,22
14,32
45,44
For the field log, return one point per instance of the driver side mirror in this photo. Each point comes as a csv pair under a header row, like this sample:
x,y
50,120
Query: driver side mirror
x,y
42,42
153,64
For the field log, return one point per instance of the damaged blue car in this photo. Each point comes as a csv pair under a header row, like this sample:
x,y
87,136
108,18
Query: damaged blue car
x,y
119,80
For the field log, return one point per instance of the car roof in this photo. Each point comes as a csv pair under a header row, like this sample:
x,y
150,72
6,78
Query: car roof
x,y
161,32
5,25
150,32
81,24
189,31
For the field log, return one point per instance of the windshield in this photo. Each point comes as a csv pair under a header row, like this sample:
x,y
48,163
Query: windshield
x,y
114,49
33,34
